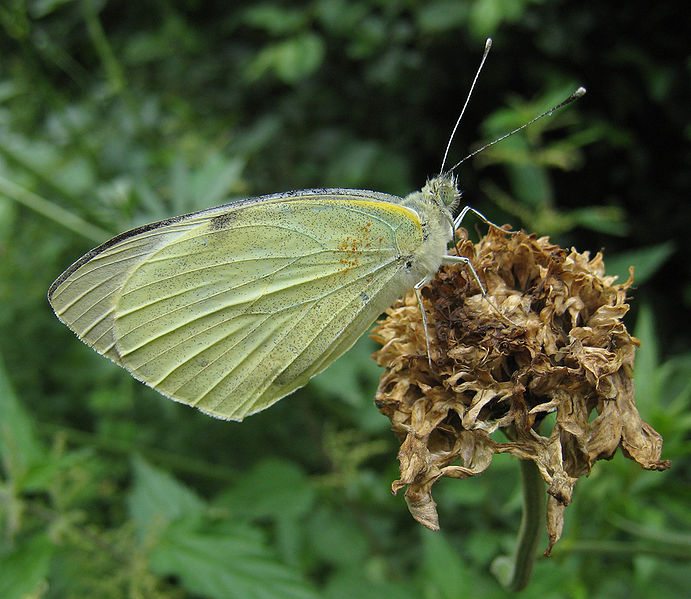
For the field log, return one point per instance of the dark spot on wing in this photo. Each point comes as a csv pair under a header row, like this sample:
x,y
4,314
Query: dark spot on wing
x,y
222,221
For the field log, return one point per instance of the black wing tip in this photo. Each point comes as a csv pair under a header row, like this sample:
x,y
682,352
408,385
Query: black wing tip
x,y
104,246
51,290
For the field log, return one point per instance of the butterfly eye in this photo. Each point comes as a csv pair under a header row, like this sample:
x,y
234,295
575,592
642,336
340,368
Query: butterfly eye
x,y
444,191
448,192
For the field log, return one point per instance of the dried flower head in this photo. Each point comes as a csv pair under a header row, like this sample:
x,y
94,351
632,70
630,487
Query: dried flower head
x,y
548,337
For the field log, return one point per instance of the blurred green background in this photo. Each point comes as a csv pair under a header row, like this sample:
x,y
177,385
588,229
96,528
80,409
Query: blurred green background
x,y
114,114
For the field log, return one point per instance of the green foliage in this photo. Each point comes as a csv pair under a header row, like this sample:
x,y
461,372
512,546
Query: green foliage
x,y
212,556
116,114
26,567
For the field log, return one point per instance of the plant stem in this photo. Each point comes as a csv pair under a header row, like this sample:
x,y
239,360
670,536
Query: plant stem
x,y
514,573
114,72
52,211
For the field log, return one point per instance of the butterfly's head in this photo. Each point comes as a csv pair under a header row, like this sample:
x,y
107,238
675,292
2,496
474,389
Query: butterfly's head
x,y
444,190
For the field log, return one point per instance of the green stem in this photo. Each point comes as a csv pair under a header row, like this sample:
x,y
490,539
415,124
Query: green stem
x,y
514,573
114,72
48,209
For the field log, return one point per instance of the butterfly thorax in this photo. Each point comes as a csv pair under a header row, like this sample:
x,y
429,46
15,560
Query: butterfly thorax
x,y
434,205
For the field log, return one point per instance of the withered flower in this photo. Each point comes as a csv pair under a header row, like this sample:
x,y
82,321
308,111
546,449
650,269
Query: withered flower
x,y
547,337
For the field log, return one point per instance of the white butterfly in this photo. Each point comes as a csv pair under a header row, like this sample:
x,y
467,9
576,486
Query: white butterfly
x,y
232,308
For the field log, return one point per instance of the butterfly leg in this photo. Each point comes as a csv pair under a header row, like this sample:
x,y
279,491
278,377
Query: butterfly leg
x,y
419,285
456,259
449,259
461,215
466,261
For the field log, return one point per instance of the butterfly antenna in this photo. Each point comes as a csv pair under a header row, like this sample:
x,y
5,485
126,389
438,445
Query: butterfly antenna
x,y
574,96
488,45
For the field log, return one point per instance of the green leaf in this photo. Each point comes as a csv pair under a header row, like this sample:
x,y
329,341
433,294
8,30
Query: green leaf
x,y
275,19
24,568
353,582
232,564
342,17
206,185
646,372
158,499
530,184
605,219
44,473
487,15
291,60
443,569
20,448
437,17
336,539
275,487
646,261
353,379
43,8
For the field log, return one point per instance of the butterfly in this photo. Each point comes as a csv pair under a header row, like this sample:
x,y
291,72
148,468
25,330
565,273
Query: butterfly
x,y
232,308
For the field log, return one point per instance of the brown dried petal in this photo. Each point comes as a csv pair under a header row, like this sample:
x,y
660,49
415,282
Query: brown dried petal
x,y
547,337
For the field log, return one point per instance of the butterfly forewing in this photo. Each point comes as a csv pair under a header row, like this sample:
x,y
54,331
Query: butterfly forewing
x,y
85,295
232,309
